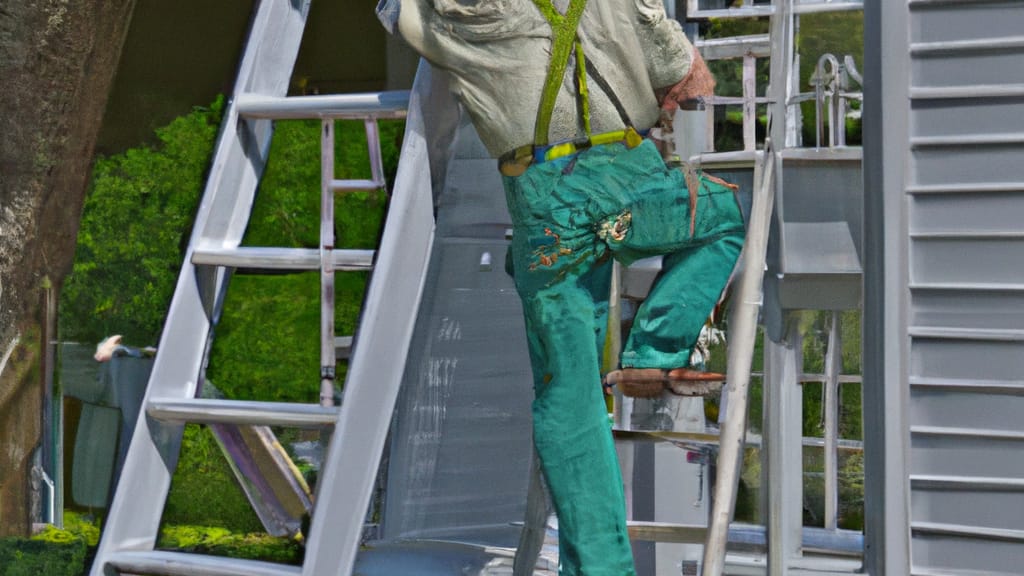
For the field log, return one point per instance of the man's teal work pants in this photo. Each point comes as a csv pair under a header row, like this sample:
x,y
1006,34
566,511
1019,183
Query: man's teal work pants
x,y
570,217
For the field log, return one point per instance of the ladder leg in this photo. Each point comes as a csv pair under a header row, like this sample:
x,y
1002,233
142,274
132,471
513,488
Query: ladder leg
x,y
532,538
746,308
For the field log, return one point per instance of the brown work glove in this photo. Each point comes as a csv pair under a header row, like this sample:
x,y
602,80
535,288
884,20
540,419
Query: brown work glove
x,y
697,83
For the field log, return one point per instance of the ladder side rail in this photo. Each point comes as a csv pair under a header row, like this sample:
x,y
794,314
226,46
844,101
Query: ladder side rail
x,y
328,349
749,102
378,360
137,506
387,104
751,10
373,148
744,319
328,362
833,367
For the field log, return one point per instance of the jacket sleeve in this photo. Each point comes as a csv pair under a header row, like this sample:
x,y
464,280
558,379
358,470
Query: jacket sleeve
x,y
667,51
387,13
415,21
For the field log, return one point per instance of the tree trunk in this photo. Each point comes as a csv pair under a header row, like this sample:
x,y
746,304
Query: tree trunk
x,y
57,63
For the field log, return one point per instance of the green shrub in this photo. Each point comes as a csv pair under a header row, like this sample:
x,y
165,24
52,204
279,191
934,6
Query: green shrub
x,y
134,229
268,339
135,223
204,490
220,542
53,552
85,528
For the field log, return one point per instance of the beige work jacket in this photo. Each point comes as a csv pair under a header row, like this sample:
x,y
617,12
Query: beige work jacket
x,y
497,53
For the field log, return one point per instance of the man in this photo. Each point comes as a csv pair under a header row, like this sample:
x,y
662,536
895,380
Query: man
x,y
561,92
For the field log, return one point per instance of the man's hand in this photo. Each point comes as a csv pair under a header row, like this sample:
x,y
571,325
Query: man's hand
x,y
697,83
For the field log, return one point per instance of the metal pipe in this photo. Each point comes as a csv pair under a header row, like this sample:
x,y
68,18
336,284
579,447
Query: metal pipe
x,y
749,105
833,366
353,106
743,320
373,148
757,45
328,362
51,500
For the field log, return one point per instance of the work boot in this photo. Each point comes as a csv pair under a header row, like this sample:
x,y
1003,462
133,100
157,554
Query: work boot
x,y
649,382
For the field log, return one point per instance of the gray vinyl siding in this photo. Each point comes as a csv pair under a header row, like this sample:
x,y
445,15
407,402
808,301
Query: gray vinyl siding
x,y
964,201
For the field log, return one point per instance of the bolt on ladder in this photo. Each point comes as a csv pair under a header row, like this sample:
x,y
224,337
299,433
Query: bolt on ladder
x,y
360,423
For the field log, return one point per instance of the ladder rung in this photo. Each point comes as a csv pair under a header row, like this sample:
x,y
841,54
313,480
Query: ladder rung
x,y
665,532
757,45
735,100
218,411
162,563
281,258
376,104
745,12
352,185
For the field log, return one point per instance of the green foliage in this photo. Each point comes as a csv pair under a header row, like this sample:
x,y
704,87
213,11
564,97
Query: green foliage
x,y
729,80
249,360
83,527
53,552
136,219
220,542
135,226
851,491
837,33
204,490
815,326
287,208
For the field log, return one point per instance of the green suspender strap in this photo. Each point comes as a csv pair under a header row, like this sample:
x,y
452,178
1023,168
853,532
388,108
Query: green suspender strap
x,y
564,41
563,29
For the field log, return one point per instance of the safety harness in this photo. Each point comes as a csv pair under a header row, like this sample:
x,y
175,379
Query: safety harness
x,y
565,41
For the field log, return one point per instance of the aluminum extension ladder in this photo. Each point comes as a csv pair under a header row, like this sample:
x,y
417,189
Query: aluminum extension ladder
x,y
360,424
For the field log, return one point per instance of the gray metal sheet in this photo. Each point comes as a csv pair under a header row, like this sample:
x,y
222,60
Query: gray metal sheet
x,y
966,360
965,456
396,558
95,454
819,248
978,309
473,203
460,447
966,20
966,213
997,509
963,263
959,117
825,189
975,556
966,409
886,122
981,67
461,437
957,164
966,259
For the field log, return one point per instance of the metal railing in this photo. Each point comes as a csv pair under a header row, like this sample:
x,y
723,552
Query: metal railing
x,y
754,9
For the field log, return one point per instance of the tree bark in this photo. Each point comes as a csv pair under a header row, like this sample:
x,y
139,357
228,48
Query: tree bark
x,y
57,64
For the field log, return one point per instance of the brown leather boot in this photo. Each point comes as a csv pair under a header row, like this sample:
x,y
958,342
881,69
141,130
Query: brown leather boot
x,y
649,382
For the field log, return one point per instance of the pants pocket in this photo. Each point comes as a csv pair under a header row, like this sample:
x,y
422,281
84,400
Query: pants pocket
x,y
665,221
